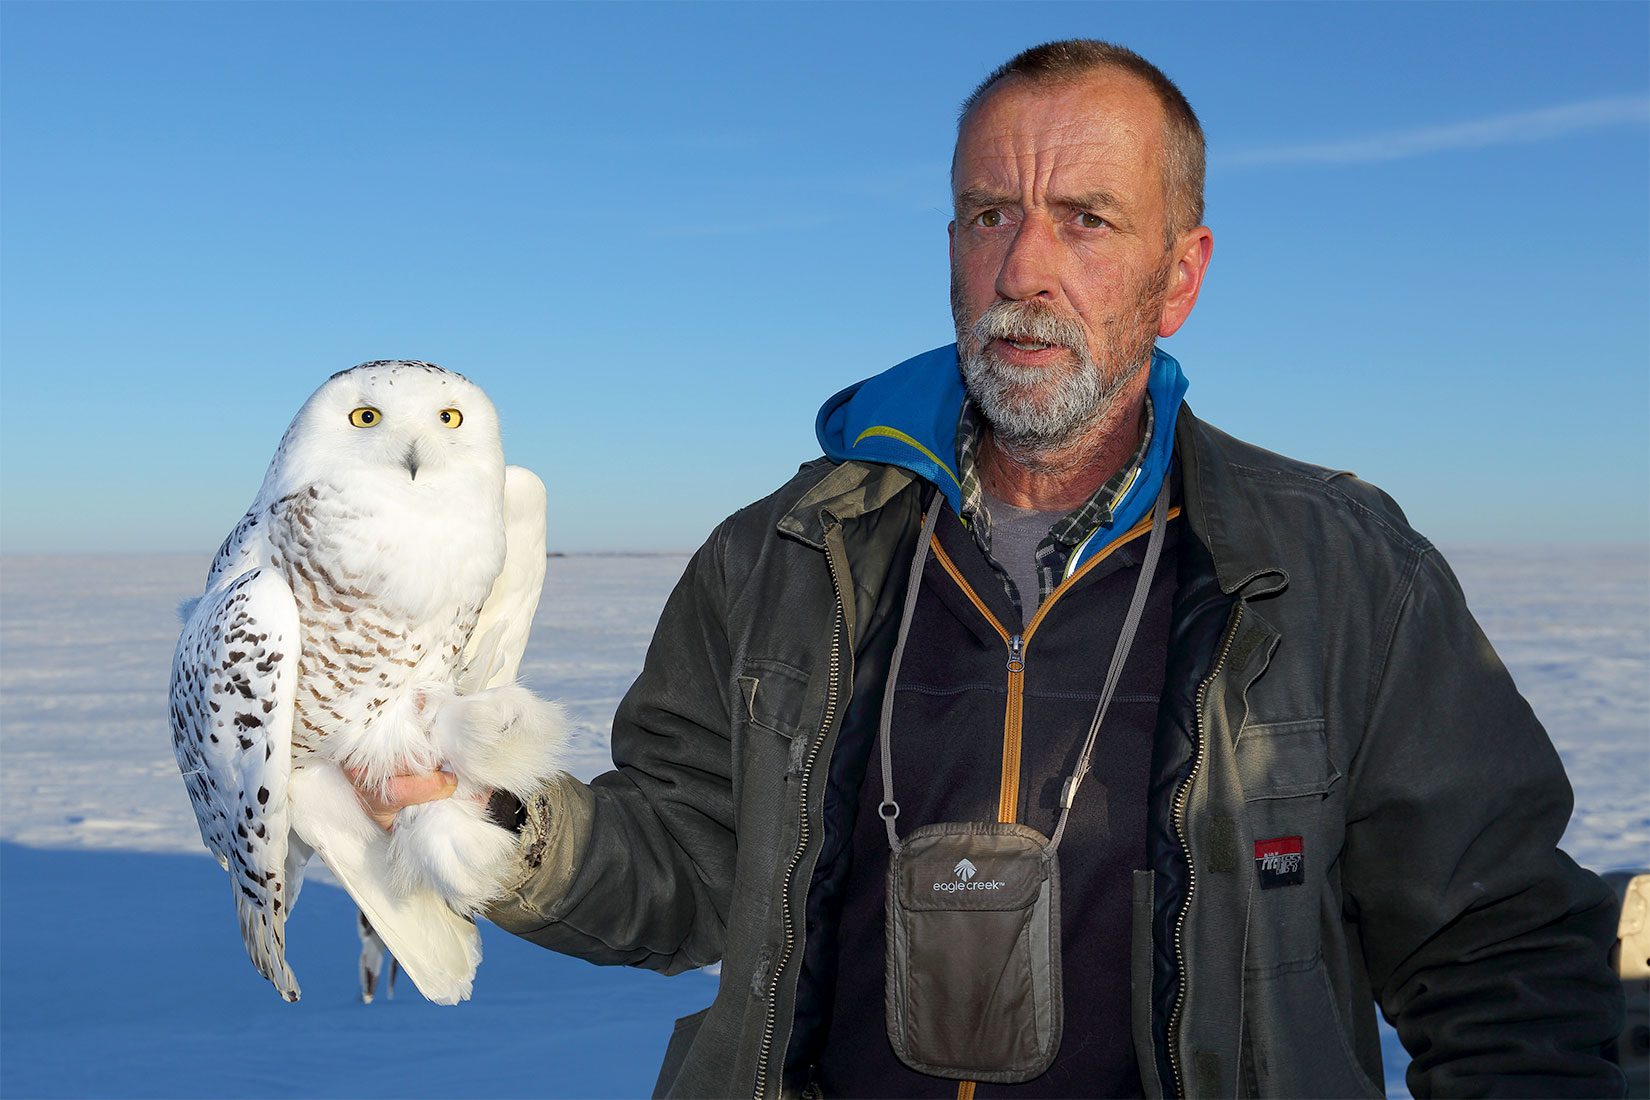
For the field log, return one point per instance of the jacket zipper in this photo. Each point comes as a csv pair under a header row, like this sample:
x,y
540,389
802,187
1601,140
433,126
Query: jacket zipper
x,y
1008,790
1008,786
1181,798
832,690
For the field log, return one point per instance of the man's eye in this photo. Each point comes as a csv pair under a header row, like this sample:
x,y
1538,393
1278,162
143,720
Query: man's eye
x,y
989,218
1090,221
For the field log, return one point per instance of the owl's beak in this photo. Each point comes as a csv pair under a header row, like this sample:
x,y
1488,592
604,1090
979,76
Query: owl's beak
x,y
410,460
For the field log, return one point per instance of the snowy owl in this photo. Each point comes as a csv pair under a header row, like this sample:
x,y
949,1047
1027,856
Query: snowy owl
x,y
369,612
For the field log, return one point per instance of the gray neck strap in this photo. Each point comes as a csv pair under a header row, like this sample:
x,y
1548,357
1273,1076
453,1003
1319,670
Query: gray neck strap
x,y
889,809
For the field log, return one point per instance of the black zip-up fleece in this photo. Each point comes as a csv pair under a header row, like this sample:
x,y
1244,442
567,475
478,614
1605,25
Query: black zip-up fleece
x,y
949,750
1326,693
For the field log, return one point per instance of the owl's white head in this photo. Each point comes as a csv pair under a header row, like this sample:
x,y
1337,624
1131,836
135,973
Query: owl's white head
x,y
396,425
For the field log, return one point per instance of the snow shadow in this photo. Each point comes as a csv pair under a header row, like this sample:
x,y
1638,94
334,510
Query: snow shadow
x,y
122,975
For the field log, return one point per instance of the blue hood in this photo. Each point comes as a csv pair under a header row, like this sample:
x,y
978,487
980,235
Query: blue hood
x,y
907,417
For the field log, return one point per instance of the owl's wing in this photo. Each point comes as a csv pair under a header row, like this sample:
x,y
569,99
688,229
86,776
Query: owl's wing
x,y
493,654
242,549
234,677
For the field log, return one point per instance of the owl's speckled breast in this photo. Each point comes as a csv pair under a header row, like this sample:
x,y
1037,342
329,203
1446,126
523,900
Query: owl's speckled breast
x,y
368,642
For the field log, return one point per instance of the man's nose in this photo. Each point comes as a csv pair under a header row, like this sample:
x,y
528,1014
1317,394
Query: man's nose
x,y
1031,264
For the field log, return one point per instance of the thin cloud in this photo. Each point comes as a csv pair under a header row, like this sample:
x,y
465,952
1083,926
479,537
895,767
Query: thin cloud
x,y
1515,129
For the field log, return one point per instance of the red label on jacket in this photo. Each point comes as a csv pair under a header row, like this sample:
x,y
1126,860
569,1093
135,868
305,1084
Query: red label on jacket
x,y
1280,861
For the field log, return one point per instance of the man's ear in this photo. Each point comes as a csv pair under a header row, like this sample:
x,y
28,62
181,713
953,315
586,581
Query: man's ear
x,y
1191,263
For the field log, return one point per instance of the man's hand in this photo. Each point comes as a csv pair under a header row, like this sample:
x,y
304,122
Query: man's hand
x,y
400,791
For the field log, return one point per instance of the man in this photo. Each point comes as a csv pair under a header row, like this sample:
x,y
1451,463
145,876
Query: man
x,y
1313,786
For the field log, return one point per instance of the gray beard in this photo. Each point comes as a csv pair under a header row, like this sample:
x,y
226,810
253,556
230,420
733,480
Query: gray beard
x,y
1038,411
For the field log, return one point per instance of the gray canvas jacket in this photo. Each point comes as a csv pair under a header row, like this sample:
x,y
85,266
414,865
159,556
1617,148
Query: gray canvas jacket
x,y
1325,681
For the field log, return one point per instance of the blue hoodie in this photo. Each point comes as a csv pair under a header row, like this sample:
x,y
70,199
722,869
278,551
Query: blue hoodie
x,y
907,417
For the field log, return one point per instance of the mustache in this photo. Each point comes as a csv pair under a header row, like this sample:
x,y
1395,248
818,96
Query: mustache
x,y
1028,321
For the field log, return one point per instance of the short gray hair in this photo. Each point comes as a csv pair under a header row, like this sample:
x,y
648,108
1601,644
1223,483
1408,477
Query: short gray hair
x,y
1068,61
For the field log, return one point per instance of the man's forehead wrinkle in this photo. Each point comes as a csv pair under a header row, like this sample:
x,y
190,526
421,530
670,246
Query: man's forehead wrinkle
x,y
1082,147
1072,143
1047,177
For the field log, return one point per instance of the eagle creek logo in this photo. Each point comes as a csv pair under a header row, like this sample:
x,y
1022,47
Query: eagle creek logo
x,y
966,874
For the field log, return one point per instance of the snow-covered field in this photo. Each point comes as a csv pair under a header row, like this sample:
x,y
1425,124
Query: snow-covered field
x,y
121,972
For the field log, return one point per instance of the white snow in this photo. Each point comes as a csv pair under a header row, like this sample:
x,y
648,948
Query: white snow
x,y
121,972
1574,629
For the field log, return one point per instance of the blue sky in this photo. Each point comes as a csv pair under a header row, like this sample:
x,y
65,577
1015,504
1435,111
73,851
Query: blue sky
x,y
661,235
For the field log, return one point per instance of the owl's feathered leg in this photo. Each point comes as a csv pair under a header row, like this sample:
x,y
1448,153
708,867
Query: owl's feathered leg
x,y
453,847
297,858
397,743
373,953
502,738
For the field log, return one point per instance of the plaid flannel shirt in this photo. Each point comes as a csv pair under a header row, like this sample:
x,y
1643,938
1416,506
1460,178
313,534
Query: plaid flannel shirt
x,y
1066,534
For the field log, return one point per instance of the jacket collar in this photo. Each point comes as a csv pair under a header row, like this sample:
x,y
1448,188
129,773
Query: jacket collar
x,y
1221,507
849,491
1222,510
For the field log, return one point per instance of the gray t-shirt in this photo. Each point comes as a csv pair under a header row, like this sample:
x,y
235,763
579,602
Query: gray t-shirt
x,y
1015,535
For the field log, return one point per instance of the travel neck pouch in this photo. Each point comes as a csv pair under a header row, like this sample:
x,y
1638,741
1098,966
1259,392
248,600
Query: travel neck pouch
x,y
973,965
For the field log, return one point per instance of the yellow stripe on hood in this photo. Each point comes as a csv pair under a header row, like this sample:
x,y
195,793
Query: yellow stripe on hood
x,y
895,433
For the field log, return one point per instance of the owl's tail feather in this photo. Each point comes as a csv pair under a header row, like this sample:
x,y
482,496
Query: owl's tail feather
x,y
265,938
438,949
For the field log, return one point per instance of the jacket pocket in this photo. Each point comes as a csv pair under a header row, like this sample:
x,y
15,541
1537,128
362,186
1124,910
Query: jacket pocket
x,y
1286,774
773,728
775,696
1284,760
681,1039
1297,1041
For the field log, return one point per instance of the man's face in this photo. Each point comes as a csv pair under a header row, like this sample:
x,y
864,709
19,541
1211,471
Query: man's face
x,y
1060,278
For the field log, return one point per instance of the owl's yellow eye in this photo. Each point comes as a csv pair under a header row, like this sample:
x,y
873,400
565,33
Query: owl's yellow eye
x,y
365,417
452,417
